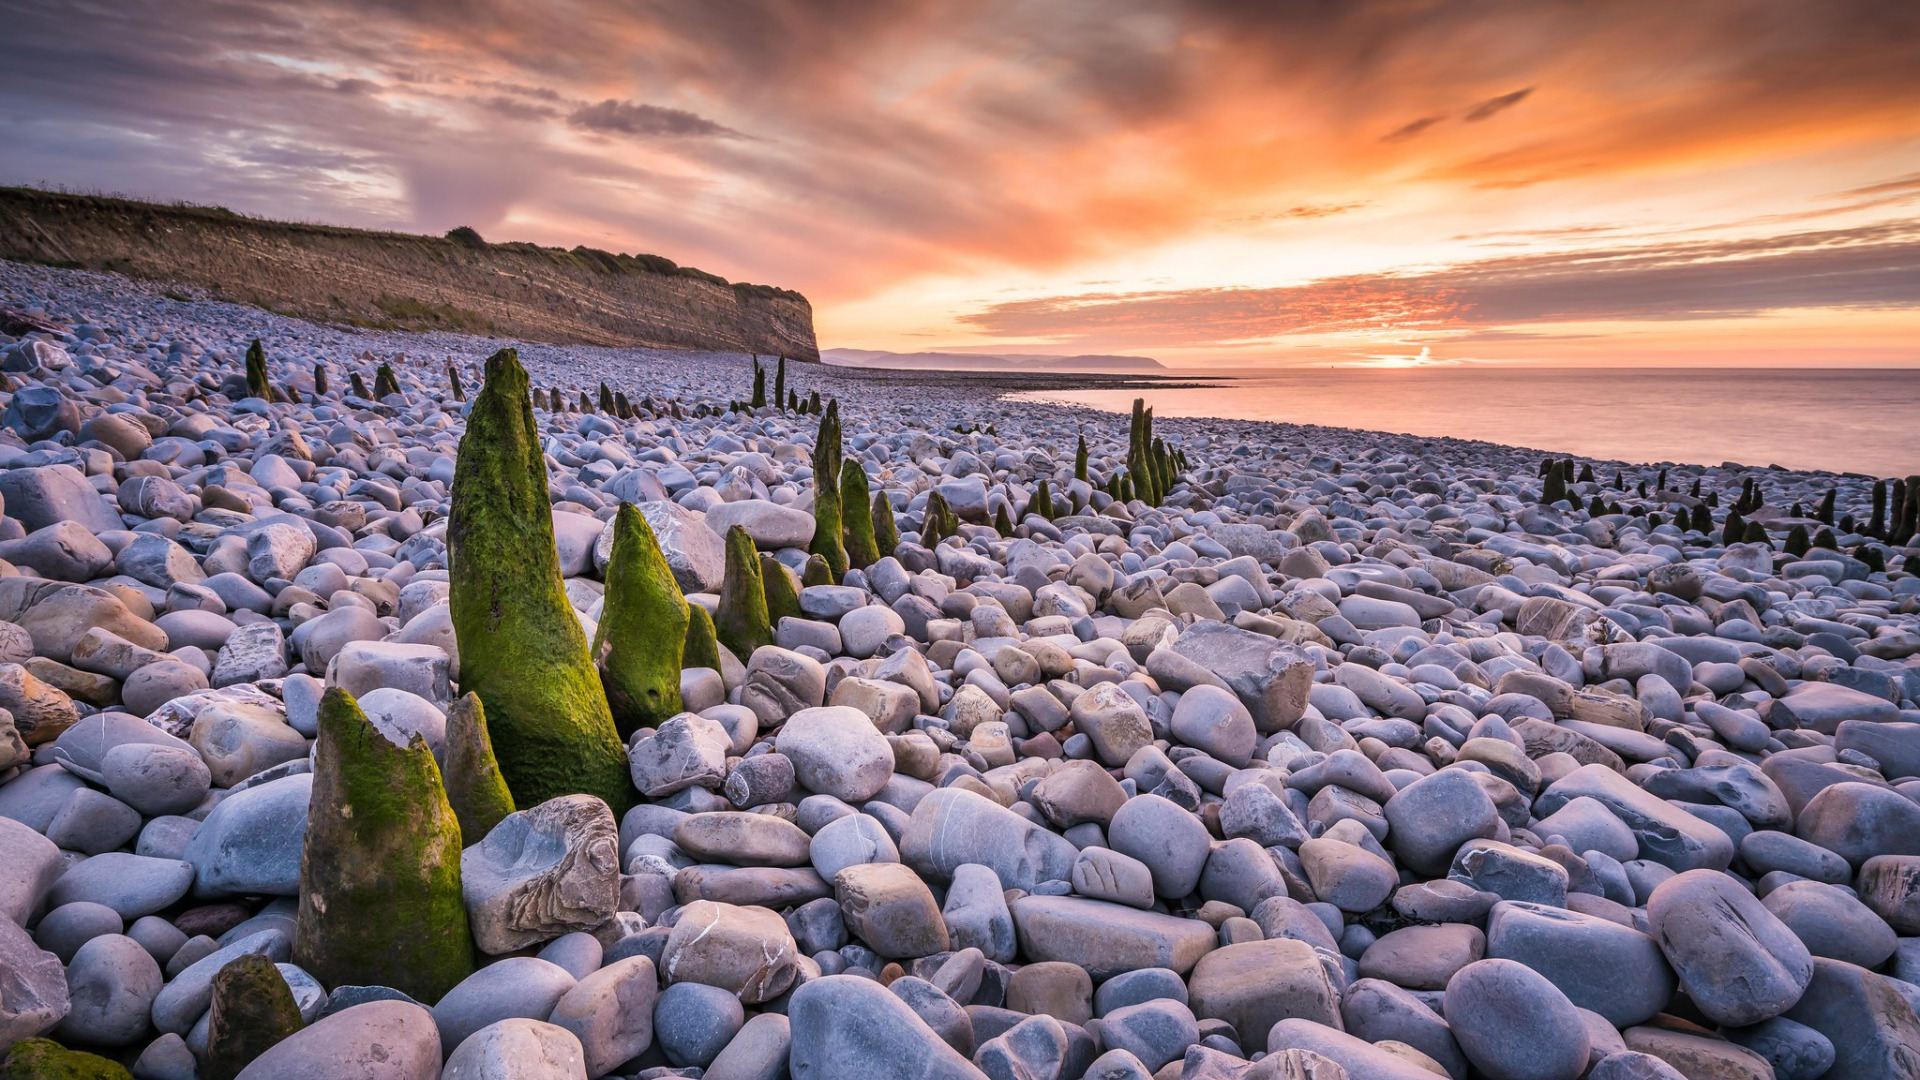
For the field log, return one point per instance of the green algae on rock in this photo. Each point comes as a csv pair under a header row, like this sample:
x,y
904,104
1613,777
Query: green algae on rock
x,y
742,624
44,1059
937,521
815,573
702,645
522,649
827,541
783,595
380,900
384,382
886,534
643,628
475,788
252,1010
862,550
257,384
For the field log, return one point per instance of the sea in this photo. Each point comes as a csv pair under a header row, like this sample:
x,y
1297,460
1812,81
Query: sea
x,y
1843,421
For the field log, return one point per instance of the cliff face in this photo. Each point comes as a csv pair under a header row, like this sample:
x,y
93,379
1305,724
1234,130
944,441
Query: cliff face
x,y
402,281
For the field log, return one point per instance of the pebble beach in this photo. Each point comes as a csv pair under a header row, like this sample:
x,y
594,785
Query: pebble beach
x,y
1343,755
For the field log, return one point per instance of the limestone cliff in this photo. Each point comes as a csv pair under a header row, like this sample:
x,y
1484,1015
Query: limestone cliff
x,y
403,281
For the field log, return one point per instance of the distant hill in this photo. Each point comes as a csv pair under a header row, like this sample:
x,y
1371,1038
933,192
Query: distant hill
x,y
948,361
403,281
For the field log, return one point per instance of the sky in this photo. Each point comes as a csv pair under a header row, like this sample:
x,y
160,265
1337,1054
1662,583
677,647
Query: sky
x,y
1209,182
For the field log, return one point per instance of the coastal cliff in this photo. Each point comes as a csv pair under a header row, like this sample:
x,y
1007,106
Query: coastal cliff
x,y
401,281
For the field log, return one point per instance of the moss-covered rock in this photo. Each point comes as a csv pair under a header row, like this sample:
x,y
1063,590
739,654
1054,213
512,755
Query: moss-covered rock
x,y
857,527
384,382
252,1009
380,899
522,649
358,385
257,382
1080,460
476,789
1042,503
828,540
1002,524
886,533
742,623
703,645
937,521
44,1059
783,593
815,573
643,628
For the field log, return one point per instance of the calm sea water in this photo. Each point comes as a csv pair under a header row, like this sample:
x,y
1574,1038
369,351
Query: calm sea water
x,y
1841,421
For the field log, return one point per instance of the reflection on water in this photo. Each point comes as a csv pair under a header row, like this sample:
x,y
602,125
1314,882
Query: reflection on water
x,y
1840,421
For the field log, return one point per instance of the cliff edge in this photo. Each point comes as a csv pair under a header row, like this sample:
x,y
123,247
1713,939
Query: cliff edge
x,y
402,281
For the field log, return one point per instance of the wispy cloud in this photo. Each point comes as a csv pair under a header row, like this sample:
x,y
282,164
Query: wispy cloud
x,y
1874,267
1489,107
633,118
1410,129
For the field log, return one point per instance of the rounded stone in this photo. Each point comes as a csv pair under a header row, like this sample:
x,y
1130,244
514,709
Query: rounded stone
x,y
111,984
694,1022
1172,842
837,751
380,1040
1736,961
1513,1024
1213,720
64,929
517,1049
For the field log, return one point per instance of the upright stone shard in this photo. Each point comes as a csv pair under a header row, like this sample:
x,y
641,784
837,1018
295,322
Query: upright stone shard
x,y
257,382
886,534
252,1011
703,643
937,521
862,549
522,648
742,623
643,628
816,572
380,899
453,381
827,456
476,790
783,598
384,382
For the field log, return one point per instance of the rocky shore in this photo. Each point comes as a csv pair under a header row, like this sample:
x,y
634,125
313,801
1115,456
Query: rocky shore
x,y
391,706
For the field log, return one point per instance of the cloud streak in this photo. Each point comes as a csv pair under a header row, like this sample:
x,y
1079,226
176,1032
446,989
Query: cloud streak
x,y
645,121
1869,268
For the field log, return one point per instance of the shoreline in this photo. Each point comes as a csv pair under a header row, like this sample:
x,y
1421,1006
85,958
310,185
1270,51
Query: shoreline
x,y
956,392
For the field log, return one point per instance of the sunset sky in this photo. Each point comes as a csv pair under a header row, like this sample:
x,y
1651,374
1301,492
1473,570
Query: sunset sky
x,y
1208,182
